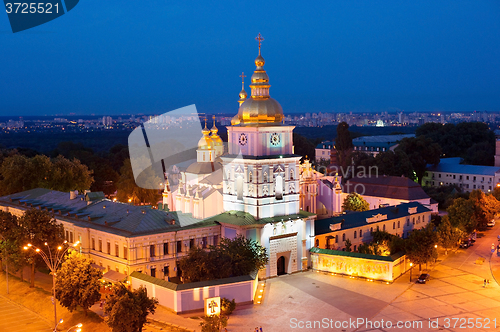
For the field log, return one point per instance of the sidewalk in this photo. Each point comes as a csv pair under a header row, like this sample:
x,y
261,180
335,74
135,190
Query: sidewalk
x,y
495,266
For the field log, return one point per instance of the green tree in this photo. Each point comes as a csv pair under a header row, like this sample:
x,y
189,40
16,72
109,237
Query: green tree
x,y
395,163
354,202
77,282
227,307
128,189
39,228
303,146
420,245
231,258
348,245
11,241
448,235
127,310
485,206
343,145
421,151
480,154
19,173
461,214
213,323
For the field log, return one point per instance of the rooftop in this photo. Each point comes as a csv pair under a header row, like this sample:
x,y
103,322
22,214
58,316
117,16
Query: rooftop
x,y
359,219
103,214
397,187
450,166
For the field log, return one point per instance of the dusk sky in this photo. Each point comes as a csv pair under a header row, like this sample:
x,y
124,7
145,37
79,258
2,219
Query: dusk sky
x,y
123,57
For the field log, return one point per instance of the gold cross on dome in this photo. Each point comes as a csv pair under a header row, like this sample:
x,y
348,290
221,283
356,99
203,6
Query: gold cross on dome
x,y
243,79
259,38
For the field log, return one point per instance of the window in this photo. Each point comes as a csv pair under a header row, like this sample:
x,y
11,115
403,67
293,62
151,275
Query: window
x,y
67,236
204,242
191,243
317,243
117,251
383,228
439,175
153,272
216,240
179,246
393,225
354,247
239,188
291,174
100,245
109,248
418,219
355,234
408,222
377,228
165,248
453,176
93,244
265,177
250,177
279,188
474,179
166,271
125,252
467,177
371,229
336,239
152,250
343,237
399,223
360,233
413,220
71,237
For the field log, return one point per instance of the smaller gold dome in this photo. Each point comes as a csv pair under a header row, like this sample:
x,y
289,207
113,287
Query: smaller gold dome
x,y
205,143
259,61
243,94
217,141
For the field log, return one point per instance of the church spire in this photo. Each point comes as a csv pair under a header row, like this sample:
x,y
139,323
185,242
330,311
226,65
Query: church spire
x,y
243,93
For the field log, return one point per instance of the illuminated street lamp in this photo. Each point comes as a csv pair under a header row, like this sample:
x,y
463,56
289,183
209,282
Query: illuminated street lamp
x,y
77,326
53,260
411,265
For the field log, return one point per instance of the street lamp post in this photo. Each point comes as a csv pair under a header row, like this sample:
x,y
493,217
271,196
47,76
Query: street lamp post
x,y
411,265
435,259
52,260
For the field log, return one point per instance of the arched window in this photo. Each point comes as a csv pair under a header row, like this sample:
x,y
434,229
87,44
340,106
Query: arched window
x,y
239,188
413,219
399,223
291,174
360,233
408,222
278,188
355,234
343,237
394,225
250,177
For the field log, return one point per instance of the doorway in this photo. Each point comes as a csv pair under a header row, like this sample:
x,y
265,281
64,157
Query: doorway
x,y
280,265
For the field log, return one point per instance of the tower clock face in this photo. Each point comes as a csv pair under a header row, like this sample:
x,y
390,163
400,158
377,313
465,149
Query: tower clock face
x,y
275,139
243,139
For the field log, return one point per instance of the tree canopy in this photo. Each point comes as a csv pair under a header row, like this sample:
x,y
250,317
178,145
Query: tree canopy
x,y
230,258
343,144
127,310
354,202
19,173
420,245
421,151
128,189
448,235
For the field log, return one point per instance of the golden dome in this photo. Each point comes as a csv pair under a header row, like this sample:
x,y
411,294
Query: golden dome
x,y
205,143
243,94
260,108
217,141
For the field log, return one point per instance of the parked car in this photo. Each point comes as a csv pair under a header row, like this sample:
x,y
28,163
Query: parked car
x,y
423,278
465,243
491,223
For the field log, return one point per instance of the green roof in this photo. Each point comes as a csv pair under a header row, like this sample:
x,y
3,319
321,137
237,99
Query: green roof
x,y
391,258
241,218
191,285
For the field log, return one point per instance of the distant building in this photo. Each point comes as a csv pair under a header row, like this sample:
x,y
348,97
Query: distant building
x,y
107,121
467,177
324,150
375,144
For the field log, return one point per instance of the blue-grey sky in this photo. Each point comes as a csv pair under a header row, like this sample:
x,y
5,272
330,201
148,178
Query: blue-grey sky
x,y
116,57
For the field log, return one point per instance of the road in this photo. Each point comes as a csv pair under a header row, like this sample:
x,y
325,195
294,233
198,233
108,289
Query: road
x,y
16,318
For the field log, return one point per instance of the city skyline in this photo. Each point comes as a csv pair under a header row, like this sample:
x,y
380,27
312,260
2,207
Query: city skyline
x,y
330,57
